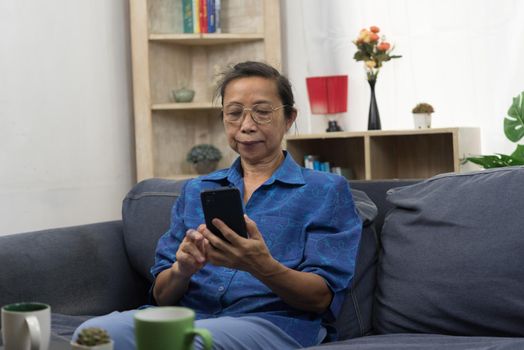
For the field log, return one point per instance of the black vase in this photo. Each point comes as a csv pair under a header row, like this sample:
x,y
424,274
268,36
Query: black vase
x,y
374,117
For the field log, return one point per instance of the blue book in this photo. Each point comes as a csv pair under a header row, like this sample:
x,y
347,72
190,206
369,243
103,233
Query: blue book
x,y
211,16
187,16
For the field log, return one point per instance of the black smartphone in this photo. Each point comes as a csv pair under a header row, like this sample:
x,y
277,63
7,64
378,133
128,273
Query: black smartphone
x,y
224,203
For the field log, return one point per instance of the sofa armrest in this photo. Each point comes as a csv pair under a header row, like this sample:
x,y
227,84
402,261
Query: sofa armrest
x,y
81,270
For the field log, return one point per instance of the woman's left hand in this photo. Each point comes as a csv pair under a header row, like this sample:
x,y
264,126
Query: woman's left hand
x,y
246,254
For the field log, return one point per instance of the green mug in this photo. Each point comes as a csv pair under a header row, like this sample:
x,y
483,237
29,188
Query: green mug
x,y
168,328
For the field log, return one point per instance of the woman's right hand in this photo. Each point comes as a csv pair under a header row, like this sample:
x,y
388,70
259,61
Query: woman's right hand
x,y
191,254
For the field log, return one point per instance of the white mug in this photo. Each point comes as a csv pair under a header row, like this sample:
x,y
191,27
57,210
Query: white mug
x,y
26,326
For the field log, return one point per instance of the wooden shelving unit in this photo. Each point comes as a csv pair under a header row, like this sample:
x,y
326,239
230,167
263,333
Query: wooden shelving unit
x,y
391,154
165,59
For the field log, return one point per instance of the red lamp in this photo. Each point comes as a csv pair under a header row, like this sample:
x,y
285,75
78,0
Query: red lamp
x,y
328,96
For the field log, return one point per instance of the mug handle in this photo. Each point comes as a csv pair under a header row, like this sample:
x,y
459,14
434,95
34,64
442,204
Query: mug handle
x,y
34,331
204,334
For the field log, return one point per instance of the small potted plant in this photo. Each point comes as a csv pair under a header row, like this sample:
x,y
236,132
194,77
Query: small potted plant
x,y
92,339
422,115
204,158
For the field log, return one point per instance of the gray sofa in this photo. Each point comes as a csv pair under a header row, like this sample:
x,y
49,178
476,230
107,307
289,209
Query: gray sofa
x,y
445,271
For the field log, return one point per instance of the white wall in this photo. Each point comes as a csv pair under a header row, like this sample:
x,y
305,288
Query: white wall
x,y
65,112
66,138
464,57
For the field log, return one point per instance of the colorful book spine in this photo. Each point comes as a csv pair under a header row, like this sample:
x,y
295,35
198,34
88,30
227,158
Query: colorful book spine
x,y
196,16
218,28
211,23
187,10
203,16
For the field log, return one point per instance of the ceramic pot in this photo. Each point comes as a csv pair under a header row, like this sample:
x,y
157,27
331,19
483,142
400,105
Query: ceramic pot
x,y
205,167
422,120
183,95
108,346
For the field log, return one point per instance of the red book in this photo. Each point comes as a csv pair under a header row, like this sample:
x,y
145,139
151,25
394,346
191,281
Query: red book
x,y
203,16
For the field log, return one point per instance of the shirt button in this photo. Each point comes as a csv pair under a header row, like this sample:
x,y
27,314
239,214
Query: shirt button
x,y
221,288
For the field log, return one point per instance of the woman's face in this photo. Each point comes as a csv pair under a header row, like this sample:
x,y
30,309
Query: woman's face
x,y
255,143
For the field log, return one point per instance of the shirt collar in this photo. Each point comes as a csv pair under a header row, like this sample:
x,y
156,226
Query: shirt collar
x,y
288,172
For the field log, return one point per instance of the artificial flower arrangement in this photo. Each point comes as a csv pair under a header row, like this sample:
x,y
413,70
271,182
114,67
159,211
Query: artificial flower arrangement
x,y
373,50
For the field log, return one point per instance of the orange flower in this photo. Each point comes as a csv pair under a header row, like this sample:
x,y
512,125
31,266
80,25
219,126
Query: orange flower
x,y
373,37
383,46
374,29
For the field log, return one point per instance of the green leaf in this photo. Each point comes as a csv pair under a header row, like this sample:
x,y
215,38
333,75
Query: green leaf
x,y
361,56
496,161
514,121
382,57
368,48
519,153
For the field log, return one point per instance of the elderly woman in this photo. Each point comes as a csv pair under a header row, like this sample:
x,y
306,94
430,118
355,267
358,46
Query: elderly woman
x,y
271,289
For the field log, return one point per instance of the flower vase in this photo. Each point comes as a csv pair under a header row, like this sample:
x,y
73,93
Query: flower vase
x,y
374,117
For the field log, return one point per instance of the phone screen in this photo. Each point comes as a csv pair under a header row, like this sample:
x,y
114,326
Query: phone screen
x,y
225,204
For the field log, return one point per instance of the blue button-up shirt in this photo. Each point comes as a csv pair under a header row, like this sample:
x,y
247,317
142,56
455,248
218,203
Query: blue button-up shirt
x,y
309,223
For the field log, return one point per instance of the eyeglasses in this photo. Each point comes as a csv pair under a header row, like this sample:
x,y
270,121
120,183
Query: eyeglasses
x,y
261,113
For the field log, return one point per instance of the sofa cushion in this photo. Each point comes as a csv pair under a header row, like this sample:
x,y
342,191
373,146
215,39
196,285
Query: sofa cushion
x,y
146,214
452,256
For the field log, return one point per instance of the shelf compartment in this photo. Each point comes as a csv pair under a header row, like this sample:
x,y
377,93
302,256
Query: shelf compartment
x,y
195,67
411,156
236,16
342,152
175,132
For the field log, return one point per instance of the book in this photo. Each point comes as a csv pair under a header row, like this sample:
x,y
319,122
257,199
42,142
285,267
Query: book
x,y
196,16
187,16
218,28
203,16
211,22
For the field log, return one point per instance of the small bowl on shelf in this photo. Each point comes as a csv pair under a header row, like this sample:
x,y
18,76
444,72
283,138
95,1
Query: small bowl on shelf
x,y
183,95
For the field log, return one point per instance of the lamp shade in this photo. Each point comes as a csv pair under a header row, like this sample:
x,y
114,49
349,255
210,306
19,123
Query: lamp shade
x,y
328,94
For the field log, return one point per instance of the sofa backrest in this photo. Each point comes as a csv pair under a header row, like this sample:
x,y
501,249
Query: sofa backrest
x,y
452,256
377,192
146,215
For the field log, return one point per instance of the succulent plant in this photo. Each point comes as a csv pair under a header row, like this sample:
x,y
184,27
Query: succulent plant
x,y
203,152
93,336
423,108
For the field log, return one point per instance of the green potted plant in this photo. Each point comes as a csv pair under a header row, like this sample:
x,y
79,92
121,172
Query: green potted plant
x,y
514,131
204,158
92,338
422,115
